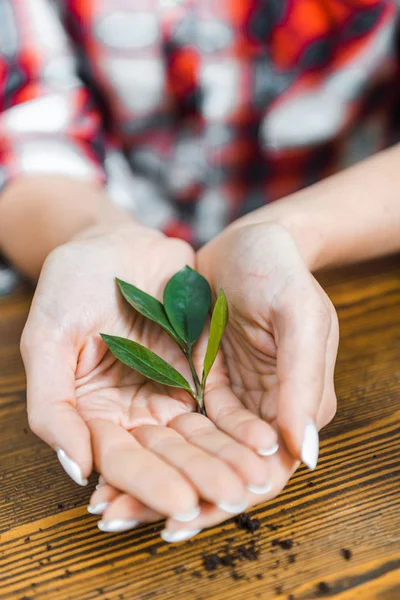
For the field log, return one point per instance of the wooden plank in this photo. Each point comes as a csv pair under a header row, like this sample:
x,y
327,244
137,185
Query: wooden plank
x,y
50,548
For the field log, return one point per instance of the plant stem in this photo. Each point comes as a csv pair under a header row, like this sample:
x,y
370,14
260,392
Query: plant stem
x,y
199,397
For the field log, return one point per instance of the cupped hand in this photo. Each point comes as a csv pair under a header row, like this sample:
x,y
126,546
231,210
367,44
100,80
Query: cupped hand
x,y
146,439
279,350
281,342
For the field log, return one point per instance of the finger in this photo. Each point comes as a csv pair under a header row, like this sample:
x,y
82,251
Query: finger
x,y
202,433
328,405
129,467
102,481
282,465
215,481
101,499
51,404
228,414
126,512
302,332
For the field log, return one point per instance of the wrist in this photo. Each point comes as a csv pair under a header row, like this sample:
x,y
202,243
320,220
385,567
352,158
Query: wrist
x,y
296,216
37,214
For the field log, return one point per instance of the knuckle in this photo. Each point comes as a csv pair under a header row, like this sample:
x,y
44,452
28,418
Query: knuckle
x,y
329,412
24,343
244,429
35,422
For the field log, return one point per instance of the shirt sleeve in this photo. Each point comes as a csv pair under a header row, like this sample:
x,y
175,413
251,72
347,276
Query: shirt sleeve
x,y
49,123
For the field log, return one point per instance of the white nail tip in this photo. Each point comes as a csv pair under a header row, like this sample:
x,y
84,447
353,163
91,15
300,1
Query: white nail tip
x,y
71,467
98,509
259,490
310,447
273,450
233,509
189,516
117,525
178,536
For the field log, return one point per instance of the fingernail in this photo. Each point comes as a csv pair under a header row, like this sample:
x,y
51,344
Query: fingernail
x,y
189,516
102,481
264,489
270,451
233,509
98,509
116,525
309,449
71,467
178,536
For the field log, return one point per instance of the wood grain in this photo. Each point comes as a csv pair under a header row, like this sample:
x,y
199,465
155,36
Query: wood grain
x,y
50,548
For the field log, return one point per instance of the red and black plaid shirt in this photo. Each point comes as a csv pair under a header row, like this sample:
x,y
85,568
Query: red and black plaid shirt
x,y
193,112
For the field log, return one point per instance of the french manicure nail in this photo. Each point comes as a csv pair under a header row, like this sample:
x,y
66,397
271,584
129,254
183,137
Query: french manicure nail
x,y
309,449
269,451
233,509
116,525
178,536
98,509
259,490
189,516
71,467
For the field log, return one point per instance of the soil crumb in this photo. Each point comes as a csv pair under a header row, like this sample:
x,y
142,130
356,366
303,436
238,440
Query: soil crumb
x,y
245,522
284,544
323,587
230,557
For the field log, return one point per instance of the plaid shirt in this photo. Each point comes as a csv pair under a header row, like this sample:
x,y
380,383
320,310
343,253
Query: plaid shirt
x,y
193,112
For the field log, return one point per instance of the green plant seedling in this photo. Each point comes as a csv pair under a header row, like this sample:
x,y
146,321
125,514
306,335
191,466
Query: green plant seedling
x,y
183,314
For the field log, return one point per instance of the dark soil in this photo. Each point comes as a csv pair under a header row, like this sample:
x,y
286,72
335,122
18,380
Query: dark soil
x,y
211,561
245,522
284,544
323,587
197,574
346,553
229,557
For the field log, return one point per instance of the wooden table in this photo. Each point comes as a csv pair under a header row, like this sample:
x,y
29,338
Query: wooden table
x,y
51,548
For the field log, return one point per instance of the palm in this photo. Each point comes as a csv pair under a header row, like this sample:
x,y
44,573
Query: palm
x,y
107,389
251,360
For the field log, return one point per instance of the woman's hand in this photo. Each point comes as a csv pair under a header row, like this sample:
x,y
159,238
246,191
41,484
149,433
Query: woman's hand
x,y
146,439
281,341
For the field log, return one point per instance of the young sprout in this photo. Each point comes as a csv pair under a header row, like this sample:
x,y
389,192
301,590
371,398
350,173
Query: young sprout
x,y
187,302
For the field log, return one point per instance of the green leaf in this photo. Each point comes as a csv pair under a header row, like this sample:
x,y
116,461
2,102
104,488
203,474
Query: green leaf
x,y
187,300
219,320
145,361
146,305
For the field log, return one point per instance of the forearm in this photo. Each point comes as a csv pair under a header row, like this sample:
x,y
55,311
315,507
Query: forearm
x,y
354,215
39,213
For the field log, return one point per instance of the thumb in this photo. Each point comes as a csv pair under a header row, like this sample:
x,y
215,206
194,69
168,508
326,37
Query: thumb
x,y
302,340
51,403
